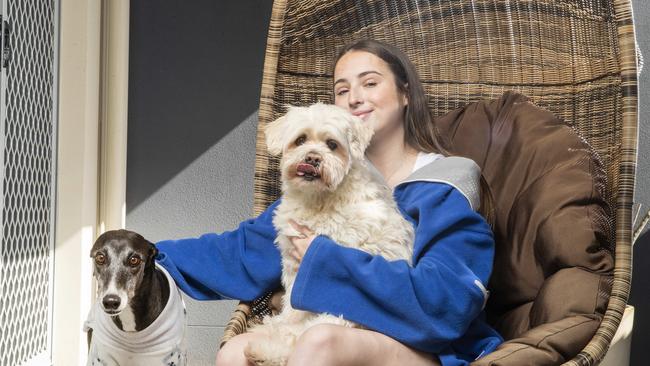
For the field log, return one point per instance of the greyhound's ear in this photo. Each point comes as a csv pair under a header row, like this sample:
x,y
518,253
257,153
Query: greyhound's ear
x,y
359,135
153,251
275,133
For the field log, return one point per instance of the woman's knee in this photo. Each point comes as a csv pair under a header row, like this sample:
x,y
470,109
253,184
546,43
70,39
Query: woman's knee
x,y
327,344
321,337
320,344
232,353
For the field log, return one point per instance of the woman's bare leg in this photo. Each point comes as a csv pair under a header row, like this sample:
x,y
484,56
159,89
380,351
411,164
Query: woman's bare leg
x,y
327,344
232,353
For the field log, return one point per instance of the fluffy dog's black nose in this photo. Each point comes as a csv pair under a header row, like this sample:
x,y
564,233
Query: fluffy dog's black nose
x,y
312,159
111,302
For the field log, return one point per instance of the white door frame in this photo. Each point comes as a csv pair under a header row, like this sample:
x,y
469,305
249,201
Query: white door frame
x,y
91,162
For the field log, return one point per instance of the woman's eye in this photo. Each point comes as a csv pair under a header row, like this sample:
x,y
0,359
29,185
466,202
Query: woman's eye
x,y
100,259
341,91
332,144
371,83
135,261
300,140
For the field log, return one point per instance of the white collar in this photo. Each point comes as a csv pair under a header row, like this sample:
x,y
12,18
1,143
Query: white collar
x,y
424,159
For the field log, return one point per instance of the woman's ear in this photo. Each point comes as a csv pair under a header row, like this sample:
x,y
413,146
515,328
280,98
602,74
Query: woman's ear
x,y
359,135
275,132
405,94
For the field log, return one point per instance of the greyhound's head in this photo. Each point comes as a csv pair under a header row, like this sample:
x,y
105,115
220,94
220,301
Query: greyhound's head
x,y
121,260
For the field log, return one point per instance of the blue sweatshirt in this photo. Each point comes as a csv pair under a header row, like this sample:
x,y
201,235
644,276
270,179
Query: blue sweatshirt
x,y
434,306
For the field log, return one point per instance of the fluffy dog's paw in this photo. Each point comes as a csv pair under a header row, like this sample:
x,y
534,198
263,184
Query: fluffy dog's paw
x,y
265,354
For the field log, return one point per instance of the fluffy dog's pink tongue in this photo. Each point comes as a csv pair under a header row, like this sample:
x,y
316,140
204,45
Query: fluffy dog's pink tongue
x,y
303,169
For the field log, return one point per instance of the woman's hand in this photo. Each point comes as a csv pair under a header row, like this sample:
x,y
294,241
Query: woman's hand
x,y
300,243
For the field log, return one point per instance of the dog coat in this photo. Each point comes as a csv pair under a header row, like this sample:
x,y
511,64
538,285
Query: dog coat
x,y
161,343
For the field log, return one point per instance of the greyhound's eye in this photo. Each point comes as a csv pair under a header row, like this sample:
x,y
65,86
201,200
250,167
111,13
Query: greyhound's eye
x,y
100,259
332,144
135,261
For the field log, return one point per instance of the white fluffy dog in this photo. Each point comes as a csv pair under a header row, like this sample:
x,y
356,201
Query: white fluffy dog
x,y
328,186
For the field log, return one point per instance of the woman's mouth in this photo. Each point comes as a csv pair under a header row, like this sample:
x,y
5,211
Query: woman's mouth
x,y
362,114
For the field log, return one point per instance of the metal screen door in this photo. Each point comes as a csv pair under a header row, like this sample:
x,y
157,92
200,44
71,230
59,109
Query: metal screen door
x,y
27,177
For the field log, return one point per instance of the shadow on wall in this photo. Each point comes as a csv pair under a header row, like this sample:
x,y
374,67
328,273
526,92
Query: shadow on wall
x,y
195,74
641,302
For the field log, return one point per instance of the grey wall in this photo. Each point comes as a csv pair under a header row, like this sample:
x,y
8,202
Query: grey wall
x,y
640,294
194,84
195,74
642,28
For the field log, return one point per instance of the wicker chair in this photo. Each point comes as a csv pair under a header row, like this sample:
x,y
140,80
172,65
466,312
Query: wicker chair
x,y
575,58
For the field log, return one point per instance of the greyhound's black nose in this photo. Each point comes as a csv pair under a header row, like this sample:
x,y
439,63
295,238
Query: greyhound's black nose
x,y
111,302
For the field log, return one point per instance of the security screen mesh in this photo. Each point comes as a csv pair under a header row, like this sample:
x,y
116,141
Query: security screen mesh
x,y
27,205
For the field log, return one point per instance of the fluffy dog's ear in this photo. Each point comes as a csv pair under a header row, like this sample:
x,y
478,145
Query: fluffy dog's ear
x,y
359,136
275,132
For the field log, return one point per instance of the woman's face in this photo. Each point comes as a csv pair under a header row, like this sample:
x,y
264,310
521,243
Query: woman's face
x,y
365,85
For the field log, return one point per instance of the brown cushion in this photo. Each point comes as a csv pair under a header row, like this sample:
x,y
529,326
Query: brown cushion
x,y
552,269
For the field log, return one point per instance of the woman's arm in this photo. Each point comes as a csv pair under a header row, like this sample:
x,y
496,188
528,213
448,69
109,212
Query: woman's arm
x,y
241,264
425,306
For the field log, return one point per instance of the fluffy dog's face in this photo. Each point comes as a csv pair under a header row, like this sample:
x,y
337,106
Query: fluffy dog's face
x,y
318,145
121,258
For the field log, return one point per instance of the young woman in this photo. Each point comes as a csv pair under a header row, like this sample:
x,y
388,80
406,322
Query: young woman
x,y
427,314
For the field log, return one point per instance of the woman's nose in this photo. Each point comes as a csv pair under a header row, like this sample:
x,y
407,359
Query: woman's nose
x,y
354,98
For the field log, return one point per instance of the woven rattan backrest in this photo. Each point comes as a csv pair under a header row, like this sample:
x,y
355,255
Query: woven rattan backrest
x,y
563,54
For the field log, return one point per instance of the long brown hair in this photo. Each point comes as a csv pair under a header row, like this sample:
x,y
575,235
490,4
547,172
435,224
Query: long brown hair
x,y
420,131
